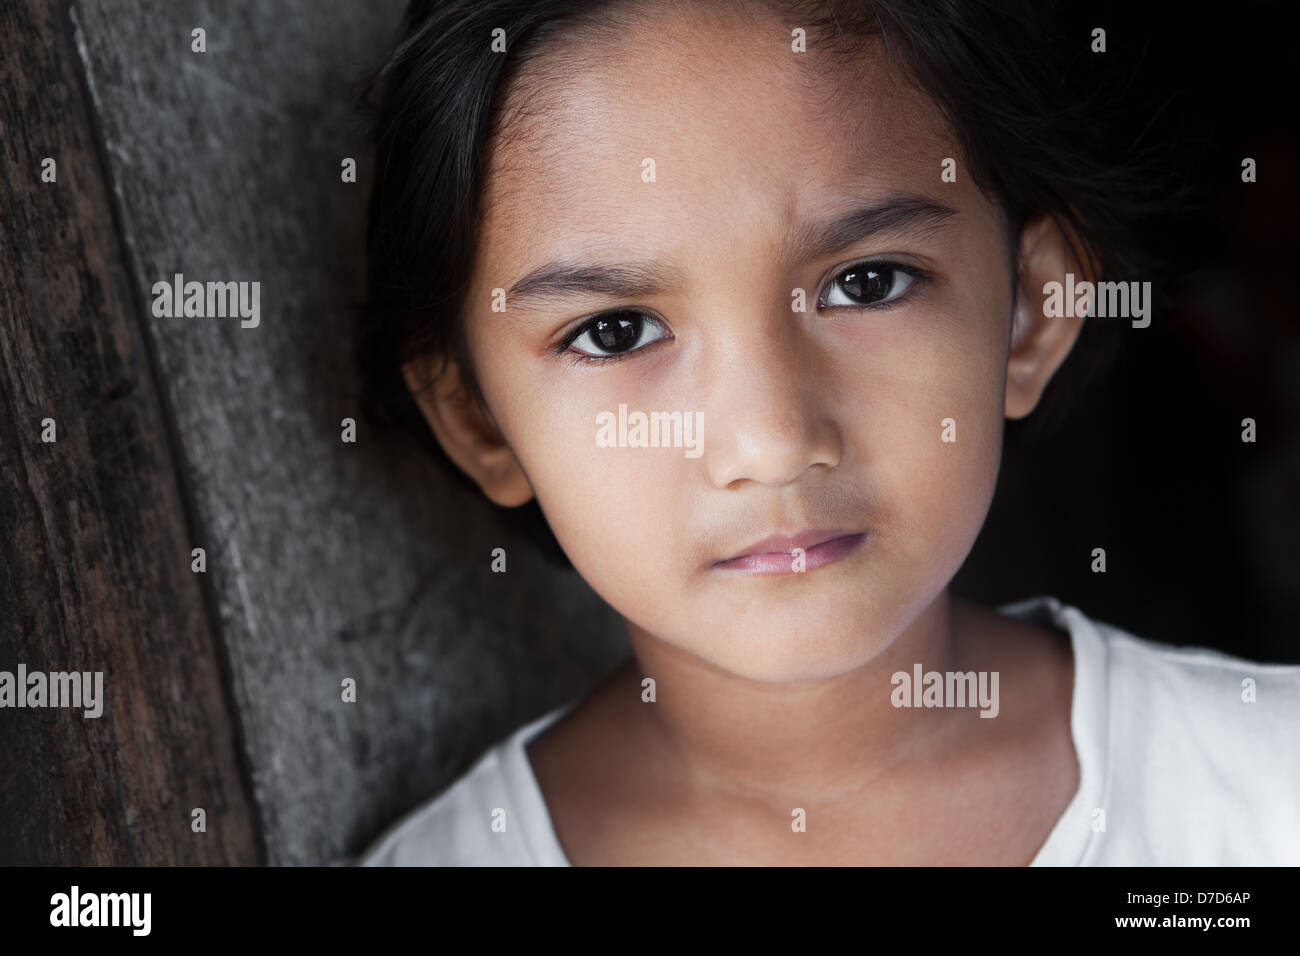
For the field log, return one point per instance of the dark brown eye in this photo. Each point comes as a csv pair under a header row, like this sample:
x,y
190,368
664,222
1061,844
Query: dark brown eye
x,y
616,333
869,283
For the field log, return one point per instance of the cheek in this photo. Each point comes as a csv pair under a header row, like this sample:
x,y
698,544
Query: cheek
x,y
614,511
925,421
956,422
617,512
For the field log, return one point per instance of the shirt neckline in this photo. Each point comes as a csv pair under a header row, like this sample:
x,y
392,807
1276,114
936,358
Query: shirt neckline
x,y
1070,837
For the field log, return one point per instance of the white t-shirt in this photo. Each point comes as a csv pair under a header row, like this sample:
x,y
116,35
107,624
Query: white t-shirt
x,y
1176,768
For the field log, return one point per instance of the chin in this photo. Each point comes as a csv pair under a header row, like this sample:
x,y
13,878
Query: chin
x,y
776,655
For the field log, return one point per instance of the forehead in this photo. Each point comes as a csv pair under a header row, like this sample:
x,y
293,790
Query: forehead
x,y
745,136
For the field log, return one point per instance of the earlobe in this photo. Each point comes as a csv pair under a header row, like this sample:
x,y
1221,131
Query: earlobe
x,y
1041,342
466,432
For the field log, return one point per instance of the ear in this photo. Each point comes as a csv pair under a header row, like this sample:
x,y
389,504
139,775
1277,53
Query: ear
x,y
1039,344
467,432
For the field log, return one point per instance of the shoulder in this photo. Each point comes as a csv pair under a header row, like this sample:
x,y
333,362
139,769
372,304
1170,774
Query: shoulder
x,y
452,829
1164,695
1195,699
485,818
1189,756
1203,759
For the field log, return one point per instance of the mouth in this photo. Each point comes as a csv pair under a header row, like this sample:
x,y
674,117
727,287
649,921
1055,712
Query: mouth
x,y
780,554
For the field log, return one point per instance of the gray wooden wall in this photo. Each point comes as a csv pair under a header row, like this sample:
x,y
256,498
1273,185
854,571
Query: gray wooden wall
x,y
325,560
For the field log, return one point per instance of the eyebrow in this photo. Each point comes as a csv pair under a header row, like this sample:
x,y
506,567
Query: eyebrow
x,y
916,215
894,214
631,281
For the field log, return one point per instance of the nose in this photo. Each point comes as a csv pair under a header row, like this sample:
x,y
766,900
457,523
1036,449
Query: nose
x,y
767,418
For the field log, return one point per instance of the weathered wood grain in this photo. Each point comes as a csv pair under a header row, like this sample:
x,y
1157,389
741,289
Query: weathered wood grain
x,y
94,546
328,560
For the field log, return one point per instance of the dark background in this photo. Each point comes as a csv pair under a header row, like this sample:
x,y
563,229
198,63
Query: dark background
x,y
1201,530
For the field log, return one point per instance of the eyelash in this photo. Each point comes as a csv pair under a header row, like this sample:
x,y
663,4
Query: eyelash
x,y
578,357
919,278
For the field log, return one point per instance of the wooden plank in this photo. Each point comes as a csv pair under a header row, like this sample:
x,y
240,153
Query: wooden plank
x,y
94,547
327,560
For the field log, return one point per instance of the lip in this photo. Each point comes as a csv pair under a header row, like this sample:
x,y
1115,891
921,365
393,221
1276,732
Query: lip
x,y
773,554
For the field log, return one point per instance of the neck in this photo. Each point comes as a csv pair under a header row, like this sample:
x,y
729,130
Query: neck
x,y
782,741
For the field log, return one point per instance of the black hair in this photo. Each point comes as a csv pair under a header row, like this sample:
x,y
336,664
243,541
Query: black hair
x,y
999,71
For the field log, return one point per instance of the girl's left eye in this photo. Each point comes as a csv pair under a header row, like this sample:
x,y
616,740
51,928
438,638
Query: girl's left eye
x,y
870,284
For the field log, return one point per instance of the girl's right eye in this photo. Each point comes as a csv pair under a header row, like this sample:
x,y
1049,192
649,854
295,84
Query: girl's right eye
x,y
611,336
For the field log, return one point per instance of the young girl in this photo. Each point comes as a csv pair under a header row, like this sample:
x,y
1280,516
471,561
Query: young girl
x,y
741,295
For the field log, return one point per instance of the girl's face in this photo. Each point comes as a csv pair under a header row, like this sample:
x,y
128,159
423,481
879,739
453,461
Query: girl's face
x,y
702,176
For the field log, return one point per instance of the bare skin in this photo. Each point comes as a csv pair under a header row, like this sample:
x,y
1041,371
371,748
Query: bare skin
x,y
986,792
773,691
